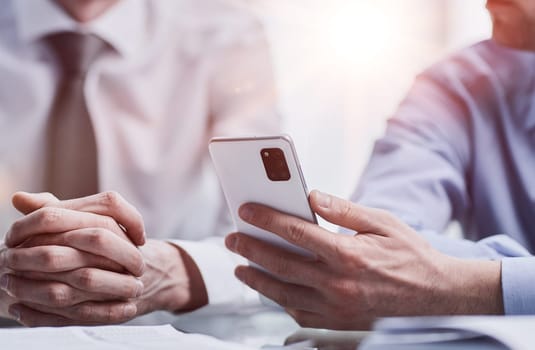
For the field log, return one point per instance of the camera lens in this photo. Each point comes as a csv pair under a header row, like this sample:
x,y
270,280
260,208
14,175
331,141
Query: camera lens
x,y
275,164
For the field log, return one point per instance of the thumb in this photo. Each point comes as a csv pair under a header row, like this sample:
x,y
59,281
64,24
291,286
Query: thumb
x,y
28,202
355,217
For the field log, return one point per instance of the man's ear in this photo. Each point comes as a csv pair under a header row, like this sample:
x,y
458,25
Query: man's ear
x,y
29,202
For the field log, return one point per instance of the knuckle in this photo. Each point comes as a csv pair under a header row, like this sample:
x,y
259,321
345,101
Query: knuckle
x,y
58,296
126,312
16,227
344,250
112,199
51,259
87,279
114,314
85,312
102,314
297,232
343,289
345,209
50,215
96,238
109,314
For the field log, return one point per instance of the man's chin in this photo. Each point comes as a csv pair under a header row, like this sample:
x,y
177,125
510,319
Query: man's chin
x,y
514,40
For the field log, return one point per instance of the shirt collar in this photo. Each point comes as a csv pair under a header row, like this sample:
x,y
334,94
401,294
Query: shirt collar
x,y
124,26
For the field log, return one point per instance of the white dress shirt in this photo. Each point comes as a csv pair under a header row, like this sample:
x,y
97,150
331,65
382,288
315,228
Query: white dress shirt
x,y
181,72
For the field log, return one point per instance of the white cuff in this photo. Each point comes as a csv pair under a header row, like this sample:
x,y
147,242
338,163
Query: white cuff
x,y
216,265
518,276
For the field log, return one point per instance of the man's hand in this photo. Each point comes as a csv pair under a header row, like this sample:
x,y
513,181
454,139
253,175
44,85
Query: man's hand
x,y
87,296
73,262
60,257
384,270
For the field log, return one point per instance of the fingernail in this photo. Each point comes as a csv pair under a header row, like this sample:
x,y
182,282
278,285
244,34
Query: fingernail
x,y
246,213
324,200
140,288
232,242
14,312
4,282
2,259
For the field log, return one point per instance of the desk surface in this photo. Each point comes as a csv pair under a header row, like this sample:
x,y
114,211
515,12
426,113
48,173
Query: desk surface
x,y
257,330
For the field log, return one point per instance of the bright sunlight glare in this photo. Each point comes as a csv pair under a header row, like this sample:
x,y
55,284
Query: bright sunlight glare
x,y
360,33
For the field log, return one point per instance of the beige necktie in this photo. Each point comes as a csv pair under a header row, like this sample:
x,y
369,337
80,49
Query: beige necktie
x,y
72,167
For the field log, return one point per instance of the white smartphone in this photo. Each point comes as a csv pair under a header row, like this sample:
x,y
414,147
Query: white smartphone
x,y
262,170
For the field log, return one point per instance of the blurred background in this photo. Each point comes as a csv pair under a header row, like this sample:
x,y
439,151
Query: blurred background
x,y
344,65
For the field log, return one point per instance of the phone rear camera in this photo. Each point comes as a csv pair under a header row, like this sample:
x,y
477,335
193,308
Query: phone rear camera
x,y
275,164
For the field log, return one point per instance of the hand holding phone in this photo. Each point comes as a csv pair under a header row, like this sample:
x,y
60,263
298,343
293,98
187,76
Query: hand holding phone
x,y
262,170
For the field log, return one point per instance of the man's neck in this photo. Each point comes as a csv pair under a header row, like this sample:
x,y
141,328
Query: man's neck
x,y
86,10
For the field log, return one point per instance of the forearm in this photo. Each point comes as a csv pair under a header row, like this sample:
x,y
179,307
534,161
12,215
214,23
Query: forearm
x,y
473,287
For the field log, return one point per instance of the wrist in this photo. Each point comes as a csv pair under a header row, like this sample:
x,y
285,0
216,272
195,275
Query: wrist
x,y
475,286
171,281
191,288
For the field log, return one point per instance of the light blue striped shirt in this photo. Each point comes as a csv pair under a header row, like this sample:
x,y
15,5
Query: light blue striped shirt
x,y
461,147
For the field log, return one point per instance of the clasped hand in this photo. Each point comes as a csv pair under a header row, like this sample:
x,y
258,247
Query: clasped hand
x,y
78,262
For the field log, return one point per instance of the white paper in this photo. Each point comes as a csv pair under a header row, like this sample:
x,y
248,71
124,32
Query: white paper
x,y
510,332
109,338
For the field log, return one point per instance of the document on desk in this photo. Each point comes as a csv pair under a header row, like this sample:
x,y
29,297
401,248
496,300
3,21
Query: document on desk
x,y
462,332
109,338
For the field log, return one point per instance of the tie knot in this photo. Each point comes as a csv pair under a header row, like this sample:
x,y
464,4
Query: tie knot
x,y
75,52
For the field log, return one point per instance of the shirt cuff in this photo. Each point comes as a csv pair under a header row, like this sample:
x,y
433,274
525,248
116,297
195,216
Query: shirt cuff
x,y
216,265
518,285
